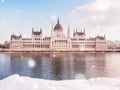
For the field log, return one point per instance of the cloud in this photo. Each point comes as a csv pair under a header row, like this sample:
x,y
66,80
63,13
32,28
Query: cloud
x,y
94,7
100,15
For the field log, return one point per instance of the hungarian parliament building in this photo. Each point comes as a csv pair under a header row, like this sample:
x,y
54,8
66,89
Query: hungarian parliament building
x,y
58,41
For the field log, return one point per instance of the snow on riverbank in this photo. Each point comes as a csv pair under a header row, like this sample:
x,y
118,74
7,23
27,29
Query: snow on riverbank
x,y
16,82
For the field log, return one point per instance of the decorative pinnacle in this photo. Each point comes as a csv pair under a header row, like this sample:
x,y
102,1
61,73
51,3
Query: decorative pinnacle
x,y
58,21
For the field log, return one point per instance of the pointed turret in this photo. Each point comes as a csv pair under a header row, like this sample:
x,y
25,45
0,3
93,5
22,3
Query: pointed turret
x,y
32,29
84,30
73,32
104,36
20,35
68,33
41,30
76,30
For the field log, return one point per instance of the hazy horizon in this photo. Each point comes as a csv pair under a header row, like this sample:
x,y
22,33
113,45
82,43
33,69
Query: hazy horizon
x,y
96,16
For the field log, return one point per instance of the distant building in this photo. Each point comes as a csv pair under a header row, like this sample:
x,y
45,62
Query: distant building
x,y
58,41
7,44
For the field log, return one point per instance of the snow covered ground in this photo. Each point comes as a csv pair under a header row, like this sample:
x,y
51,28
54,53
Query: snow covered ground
x,y
16,82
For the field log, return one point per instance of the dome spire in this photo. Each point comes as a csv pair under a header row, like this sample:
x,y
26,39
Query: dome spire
x,y
58,26
58,21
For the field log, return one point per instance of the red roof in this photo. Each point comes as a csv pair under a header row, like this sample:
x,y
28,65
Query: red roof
x,y
16,37
58,26
37,32
79,33
100,37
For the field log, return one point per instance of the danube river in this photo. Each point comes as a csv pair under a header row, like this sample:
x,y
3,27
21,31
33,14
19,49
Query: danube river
x,y
60,66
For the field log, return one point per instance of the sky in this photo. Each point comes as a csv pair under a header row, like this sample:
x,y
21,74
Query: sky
x,y
98,17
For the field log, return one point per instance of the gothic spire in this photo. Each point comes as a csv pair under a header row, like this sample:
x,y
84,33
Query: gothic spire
x,y
32,29
41,30
76,30
58,21
68,33
104,36
84,30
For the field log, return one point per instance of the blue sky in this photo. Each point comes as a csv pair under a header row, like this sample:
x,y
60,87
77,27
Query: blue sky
x,y
19,16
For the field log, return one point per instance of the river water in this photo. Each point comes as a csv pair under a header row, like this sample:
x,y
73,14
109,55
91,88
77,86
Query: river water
x,y
60,66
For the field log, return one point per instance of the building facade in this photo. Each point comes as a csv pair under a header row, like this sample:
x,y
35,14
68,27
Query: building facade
x,y
58,41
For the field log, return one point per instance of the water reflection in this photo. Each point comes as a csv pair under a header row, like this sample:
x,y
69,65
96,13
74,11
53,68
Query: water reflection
x,y
59,66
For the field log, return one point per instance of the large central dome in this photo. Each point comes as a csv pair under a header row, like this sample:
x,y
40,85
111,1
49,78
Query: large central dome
x,y
58,26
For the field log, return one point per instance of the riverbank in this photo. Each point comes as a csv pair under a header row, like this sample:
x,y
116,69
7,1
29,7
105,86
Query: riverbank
x,y
47,50
17,82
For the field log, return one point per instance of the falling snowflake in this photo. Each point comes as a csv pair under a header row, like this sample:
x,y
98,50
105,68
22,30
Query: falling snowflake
x,y
31,63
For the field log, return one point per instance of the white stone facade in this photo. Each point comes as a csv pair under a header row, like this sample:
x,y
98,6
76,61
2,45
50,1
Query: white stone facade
x,y
58,41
